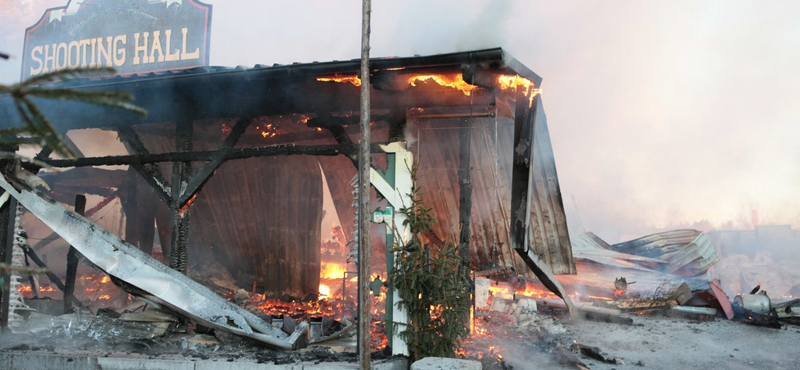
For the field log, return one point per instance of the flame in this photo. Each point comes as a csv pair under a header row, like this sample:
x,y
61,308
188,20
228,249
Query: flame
x,y
331,270
25,288
455,81
267,130
502,291
324,291
226,129
182,211
354,80
511,82
105,280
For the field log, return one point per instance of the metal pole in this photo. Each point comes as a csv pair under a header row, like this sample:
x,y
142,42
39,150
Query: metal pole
x,y
364,164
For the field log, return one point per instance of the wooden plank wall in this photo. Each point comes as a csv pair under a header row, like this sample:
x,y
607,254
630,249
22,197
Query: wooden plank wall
x,y
435,145
259,217
549,236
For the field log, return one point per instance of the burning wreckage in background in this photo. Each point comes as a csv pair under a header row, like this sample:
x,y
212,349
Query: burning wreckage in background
x,y
232,172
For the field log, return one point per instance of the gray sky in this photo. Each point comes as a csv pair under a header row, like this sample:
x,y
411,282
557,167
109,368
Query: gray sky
x,y
662,114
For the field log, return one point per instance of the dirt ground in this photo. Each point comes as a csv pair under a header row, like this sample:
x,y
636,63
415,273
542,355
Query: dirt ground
x,y
679,343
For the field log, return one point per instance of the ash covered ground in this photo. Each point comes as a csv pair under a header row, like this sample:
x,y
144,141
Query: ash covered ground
x,y
536,340
521,339
83,333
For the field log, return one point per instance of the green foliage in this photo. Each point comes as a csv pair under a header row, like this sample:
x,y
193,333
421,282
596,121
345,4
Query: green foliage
x,y
435,294
38,128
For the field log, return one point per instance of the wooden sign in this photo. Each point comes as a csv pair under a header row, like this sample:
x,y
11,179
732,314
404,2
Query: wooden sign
x,y
131,36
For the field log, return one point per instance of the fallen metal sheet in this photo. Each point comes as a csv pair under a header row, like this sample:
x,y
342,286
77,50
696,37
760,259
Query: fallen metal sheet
x,y
148,277
588,246
722,298
688,252
548,279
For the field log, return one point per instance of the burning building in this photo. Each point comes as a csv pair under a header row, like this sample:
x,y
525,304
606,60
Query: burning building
x,y
230,166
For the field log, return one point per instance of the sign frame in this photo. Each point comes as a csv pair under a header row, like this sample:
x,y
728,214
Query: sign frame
x,y
32,61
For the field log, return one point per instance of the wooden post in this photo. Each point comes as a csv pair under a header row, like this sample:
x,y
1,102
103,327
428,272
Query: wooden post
x,y
465,202
72,260
465,194
7,220
364,164
181,172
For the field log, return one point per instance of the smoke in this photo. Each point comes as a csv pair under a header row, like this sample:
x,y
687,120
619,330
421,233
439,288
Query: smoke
x,y
660,114
425,27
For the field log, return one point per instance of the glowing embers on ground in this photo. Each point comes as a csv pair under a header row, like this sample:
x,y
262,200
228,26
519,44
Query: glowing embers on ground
x,y
27,291
94,287
266,129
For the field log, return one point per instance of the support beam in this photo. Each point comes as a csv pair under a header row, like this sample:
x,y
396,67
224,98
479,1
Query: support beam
x,y
197,180
138,205
179,254
207,155
38,261
344,140
7,221
521,171
72,259
398,193
465,195
149,171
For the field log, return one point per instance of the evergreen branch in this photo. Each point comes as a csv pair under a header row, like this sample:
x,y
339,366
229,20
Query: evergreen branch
x,y
49,134
34,161
63,75
23,270
38,126
116,99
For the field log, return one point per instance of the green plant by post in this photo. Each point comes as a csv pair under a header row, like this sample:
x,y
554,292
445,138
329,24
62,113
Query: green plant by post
x,y
434,293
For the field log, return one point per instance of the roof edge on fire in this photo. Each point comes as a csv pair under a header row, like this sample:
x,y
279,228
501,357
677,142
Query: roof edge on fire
x,y
495,58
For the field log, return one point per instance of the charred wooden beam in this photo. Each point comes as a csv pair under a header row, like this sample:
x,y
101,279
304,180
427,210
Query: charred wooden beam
x,y
138,204
327,120
238,153
42,155
521,172
149,171
344,140
72,259
181,170
7,221
197,180
397,125
38,261
465,194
